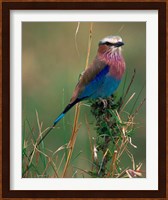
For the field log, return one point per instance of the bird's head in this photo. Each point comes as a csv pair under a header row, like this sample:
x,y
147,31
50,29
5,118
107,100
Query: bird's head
x,y
109,50
110,44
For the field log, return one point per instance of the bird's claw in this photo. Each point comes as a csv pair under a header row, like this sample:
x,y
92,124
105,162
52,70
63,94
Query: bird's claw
x,y
104,101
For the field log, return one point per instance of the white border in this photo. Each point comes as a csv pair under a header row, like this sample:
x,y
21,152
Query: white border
x,y
151,19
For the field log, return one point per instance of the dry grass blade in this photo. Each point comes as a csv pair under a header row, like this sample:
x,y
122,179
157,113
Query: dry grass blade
x,y
60,148
131,97
85,171
103,160
61,162
49,159
139,166
122,148
130,141
138,108
72,139
90,140
89,44
76,45
54,168
129,86
35,147
31,155
38,123
39,140
122,173
47,166
74,174
132,79
137,98
131,157
129,175
77,111
121,28
113,165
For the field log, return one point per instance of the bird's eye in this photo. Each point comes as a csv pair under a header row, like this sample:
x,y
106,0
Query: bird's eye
x,y
108,43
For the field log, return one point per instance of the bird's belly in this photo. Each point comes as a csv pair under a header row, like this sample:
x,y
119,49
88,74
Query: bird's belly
x,y
107,88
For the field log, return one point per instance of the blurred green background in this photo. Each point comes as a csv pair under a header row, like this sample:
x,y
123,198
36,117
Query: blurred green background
x,y
50,70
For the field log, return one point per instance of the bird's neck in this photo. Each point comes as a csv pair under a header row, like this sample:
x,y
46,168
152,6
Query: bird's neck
x,y
114,60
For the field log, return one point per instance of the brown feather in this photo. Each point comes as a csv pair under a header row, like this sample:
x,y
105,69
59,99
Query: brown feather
x,y
88,75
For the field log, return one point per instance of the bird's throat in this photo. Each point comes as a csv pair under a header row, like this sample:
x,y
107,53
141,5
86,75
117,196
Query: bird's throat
x,y
115,61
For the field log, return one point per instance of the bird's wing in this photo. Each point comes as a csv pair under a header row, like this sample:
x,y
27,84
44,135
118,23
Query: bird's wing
x,y
90,80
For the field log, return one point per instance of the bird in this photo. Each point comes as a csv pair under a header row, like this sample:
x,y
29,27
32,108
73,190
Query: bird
x,y
101,78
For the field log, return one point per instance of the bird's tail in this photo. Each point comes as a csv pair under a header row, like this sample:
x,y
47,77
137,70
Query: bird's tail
x,y
68,107
59,118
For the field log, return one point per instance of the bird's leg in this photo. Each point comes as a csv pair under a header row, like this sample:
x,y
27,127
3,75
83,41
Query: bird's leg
x,y
104,101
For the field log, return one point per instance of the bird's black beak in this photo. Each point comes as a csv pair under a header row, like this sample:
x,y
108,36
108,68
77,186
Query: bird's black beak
x,y
119,44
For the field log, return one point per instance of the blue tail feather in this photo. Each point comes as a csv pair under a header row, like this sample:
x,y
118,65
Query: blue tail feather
x,y
59,118
67,108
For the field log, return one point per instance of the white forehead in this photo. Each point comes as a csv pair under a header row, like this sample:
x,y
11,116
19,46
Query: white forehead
x,y
112,39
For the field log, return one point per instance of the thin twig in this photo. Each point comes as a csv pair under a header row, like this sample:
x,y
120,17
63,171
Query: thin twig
x,y
72,139
138,108
129,86
89,44
131,97
77,111
137,98
89,136
103,160
114,162
76,45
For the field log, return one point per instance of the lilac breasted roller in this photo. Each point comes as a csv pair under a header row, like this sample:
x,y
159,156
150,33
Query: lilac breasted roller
x,y
102,77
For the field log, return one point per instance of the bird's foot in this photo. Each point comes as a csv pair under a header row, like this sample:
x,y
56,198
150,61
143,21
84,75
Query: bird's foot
x,y
104,101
